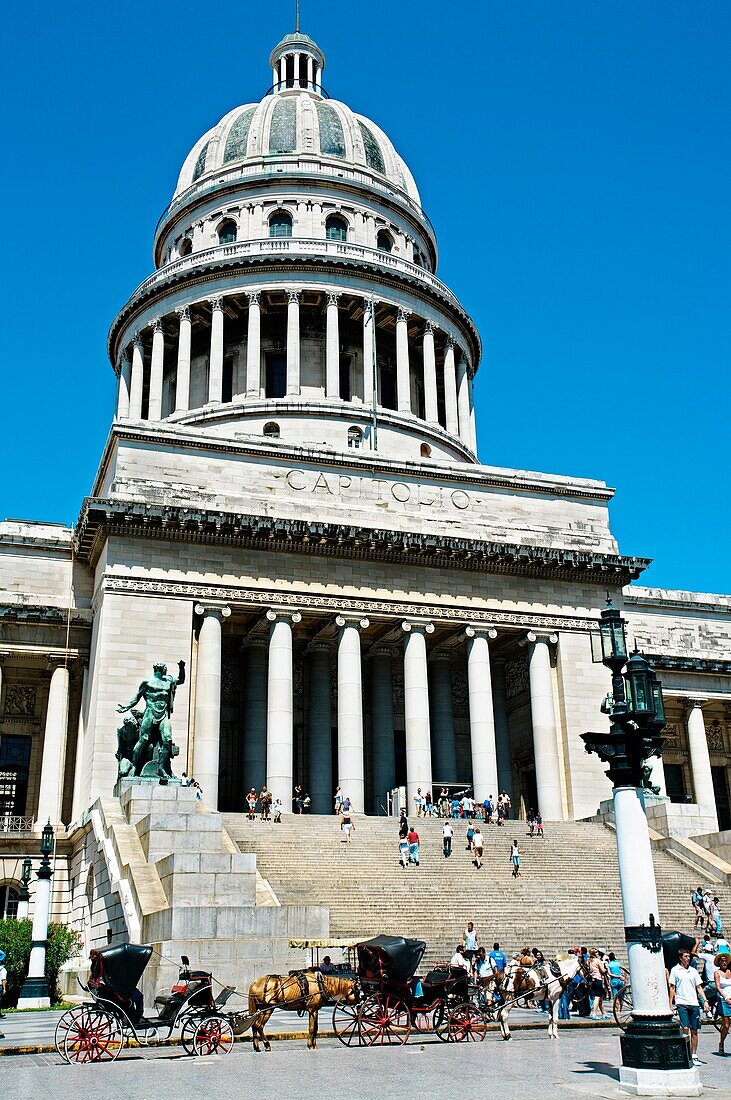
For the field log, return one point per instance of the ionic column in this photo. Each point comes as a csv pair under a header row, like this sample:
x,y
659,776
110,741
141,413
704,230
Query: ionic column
x,y
369,351
254,741
297,70
502,728
431,414
253,347
351,772
416,708
283,71
154,407
76,806
444,757
319,726
332,348
403,372
125,375
50,795
310,81
384,752
206,745
700,760
463,403
293,343
450,390
473,426
280,727
482,721
182,378
137,379
275,77
215,370
545,732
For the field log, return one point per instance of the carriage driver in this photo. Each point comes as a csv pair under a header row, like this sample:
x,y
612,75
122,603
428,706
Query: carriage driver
x,y
159,695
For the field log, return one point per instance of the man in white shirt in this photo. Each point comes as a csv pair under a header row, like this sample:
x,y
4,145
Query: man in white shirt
x,y
686,987
458,960
477,846
447,834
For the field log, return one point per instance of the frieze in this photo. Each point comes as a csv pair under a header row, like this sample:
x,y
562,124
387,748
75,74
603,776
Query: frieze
x,y
20,699
267,597
714,735
516,677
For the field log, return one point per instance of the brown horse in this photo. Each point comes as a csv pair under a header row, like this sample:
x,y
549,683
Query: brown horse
x,y
303,991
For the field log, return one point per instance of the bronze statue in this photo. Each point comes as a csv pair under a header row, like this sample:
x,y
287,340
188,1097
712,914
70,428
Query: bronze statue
x,y
145,741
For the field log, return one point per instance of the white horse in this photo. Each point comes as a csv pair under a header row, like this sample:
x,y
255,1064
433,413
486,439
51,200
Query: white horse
x,y
537,983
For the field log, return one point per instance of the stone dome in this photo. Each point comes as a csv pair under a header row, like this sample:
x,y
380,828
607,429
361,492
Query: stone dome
x,y
297,119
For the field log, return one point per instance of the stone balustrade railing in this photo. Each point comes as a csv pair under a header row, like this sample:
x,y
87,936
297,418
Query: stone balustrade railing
x,y
16,824
298,246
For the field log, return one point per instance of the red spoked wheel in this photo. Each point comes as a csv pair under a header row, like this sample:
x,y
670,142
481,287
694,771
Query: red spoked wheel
x,y
93,1035
466,1024
440,1022
384,1020
346,1023
214,1035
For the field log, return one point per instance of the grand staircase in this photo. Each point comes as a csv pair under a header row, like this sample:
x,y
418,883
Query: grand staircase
x,y
568,893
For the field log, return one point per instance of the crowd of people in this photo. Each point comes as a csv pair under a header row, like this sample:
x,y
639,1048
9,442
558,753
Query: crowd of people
x,y
461,805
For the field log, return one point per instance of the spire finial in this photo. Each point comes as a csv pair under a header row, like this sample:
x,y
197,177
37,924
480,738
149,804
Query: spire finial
x,y
296,16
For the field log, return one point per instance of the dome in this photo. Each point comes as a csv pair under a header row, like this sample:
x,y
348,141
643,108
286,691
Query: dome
x,y
299,123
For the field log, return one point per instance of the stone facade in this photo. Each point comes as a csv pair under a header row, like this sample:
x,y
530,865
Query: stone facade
x,y
290,501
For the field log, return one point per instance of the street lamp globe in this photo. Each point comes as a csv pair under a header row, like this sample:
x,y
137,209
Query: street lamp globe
x,y
27,870
47,840
639,679
611,632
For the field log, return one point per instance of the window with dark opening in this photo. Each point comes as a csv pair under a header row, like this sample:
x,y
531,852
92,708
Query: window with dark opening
x,y
271,430
345,392
355,438
336,228
280,224
186,247
276,375
384,240
227,233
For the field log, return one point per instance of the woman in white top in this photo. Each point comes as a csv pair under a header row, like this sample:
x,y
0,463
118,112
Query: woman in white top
x,y
722,979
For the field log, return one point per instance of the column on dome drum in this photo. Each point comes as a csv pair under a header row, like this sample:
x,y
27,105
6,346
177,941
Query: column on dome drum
x,y
319,726
254,715
444,757
383,748
182,378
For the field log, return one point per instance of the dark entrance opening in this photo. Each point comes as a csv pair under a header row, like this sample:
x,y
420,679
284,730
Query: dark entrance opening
x,y
675,783
276,375
14,766
720,789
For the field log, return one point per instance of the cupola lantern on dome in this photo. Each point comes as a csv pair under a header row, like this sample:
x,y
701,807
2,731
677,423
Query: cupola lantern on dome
x,y
297,63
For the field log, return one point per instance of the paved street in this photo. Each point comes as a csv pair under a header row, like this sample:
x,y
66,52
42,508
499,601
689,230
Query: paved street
x,y
581,1063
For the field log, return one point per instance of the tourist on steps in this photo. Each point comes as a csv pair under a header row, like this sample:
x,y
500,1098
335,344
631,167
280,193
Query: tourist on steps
x,y
515,859
539,824
447,834
413,839
470,942
251,803
477,847
403,849
338,799
470,835
722,980
418,802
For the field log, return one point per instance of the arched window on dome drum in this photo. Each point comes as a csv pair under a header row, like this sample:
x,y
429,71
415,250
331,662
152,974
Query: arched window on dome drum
x,y
271,430
355,438
332,140
336,228
384,241
200,163
374,156
238,137
280,224
8,902
227,232
425,450
283,129
186,247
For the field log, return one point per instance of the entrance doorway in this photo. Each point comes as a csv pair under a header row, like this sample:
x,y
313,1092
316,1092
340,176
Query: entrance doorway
x,y
720,790
14,765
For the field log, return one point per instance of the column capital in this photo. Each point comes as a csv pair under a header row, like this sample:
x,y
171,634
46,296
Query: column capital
x,y
183,313
352,620
449,344
123,358
319,647
137,341
254,297
691,704
55,661
533,636
410,625
293,297
333,299
213,609
382,651
216,303
429,328
402,314
481,631
256,641
442,653
156,324
275,613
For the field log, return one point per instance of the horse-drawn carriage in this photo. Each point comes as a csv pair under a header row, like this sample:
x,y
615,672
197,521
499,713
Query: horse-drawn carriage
x,y
96,1031
391,1001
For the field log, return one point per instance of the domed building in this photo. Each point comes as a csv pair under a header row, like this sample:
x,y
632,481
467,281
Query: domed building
x,y
290,501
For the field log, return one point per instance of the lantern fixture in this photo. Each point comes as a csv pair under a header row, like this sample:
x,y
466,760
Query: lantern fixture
x,y
639,679
611,632
47,840
27,869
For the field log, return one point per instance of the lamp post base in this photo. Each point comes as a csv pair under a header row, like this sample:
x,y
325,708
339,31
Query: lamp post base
x,y
34,993
659,1082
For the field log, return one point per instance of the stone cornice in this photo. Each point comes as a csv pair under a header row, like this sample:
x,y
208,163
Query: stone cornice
x,y
708,665
243,596
100,518
702,603
43,615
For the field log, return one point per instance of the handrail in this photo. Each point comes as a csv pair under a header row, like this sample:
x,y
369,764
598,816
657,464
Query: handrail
x,y
294,246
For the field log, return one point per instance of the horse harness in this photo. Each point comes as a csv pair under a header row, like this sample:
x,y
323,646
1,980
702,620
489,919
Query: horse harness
x,y
301,977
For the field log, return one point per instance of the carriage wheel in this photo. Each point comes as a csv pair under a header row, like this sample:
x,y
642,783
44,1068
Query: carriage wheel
x,y
439,1022
466,1023
346,1023
62,1027
622,1006
93,1035
188,1033
384,1020
214,1035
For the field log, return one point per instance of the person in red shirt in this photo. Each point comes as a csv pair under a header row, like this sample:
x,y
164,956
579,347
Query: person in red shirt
x,y
413,846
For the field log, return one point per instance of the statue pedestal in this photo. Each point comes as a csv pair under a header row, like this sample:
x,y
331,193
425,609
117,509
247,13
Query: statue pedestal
x,y
146,781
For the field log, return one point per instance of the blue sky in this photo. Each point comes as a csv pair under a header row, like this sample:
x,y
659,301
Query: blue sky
x,y
572,155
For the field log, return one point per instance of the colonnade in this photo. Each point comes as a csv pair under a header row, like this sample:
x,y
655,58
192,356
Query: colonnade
x,y
456,370
430,755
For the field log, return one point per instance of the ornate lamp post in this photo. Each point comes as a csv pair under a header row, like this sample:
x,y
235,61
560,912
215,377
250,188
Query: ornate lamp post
x,y
35,992
656,1057
23,895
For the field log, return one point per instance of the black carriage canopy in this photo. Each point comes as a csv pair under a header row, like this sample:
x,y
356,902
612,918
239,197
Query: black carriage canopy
x,y
672,944
391,957
120,966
